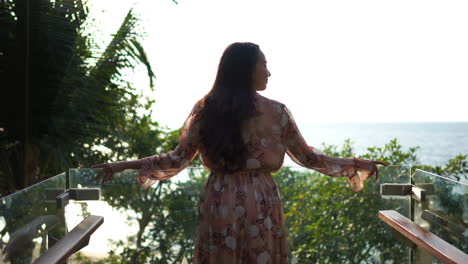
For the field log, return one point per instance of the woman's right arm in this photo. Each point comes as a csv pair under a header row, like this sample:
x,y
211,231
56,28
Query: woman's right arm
x,y
108,169
154,168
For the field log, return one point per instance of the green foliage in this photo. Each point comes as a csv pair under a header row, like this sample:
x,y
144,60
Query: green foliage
x,y
393,153
66,105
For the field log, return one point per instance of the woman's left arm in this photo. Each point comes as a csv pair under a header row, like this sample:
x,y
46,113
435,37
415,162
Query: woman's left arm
x,y
354,169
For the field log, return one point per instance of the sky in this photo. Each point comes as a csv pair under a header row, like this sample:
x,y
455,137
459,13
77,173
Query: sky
x,y
331,61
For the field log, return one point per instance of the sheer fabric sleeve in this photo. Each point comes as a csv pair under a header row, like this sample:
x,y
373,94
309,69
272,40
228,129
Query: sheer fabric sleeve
x,y
356,170
163,167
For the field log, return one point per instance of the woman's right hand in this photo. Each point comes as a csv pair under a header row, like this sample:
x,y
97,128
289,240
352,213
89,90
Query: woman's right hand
x,y
108,170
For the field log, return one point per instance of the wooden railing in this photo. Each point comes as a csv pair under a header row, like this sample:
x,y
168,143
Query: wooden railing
x,y
75,240
431,243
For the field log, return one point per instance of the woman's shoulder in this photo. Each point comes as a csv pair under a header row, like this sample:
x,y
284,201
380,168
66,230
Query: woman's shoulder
x,y
273,104
198,106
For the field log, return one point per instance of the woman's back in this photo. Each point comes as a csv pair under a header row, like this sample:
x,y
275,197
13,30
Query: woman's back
x,y
263,136
240,216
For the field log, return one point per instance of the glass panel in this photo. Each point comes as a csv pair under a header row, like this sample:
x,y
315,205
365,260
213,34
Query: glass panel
x,y
388,246
444,212
326,221
30,222
153,226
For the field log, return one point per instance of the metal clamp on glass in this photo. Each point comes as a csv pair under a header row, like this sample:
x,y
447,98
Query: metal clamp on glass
x,y
62,197
417,192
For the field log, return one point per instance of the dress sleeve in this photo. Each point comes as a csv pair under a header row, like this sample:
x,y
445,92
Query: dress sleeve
x,y
165,166
356,170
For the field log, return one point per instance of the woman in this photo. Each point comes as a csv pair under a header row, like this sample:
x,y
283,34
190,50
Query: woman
x,y
241,137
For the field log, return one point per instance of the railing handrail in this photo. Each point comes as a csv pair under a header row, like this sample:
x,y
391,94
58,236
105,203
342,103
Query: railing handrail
x,y
32,186
442,177
431,243
72,242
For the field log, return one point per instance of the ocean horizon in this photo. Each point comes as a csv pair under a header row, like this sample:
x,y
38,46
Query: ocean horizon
x,y
438,142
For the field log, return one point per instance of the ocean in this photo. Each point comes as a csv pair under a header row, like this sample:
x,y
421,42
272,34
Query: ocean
x,y
438,142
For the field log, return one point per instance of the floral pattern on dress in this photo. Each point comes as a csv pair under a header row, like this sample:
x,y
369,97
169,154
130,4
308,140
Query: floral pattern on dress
x,y
240,215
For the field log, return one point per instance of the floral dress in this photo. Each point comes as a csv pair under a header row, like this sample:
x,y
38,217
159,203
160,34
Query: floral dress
x,y
240,216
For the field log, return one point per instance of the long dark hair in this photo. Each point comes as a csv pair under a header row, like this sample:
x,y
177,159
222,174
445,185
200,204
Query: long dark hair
x,y
230,102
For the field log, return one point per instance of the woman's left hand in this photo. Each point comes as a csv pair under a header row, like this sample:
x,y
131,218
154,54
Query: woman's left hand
x,y
370,165
365,169
375,170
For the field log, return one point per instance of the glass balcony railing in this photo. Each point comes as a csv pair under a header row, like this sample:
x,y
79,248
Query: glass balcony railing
x,y
443,210
158,225
326,221
31,222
